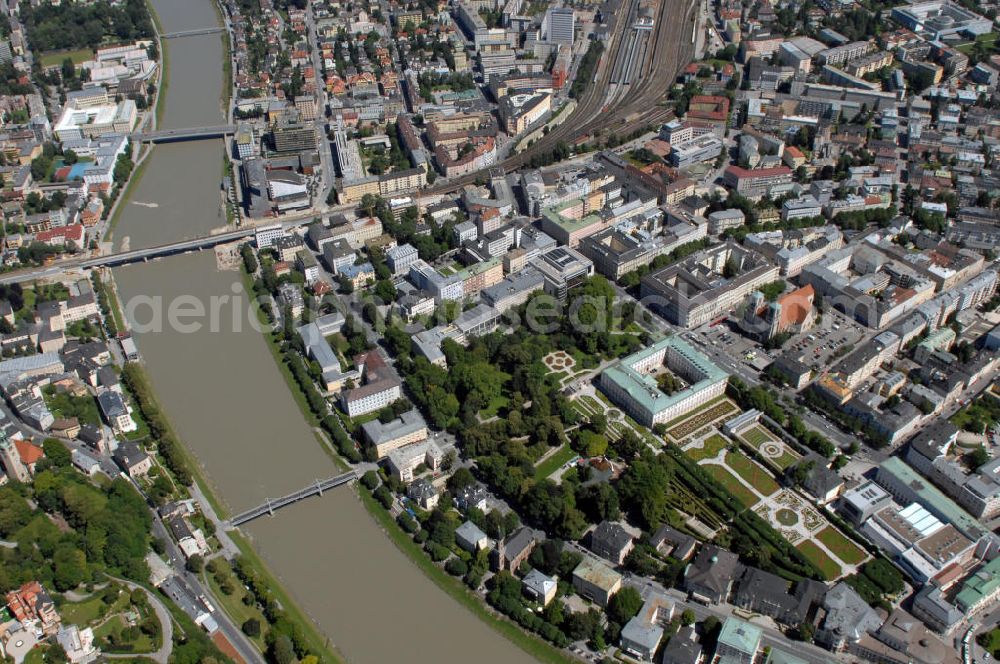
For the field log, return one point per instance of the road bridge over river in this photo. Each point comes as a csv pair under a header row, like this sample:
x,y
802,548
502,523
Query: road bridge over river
x,y
185,134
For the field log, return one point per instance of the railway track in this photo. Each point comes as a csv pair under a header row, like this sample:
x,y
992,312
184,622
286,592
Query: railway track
x,y
670,51
641,103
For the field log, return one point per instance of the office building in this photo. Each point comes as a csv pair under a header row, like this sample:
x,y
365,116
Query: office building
x,y
558,26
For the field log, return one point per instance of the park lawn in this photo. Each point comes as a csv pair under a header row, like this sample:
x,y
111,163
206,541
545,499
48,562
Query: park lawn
x,y
978,415
55,58
989,38
614,431
83,613
28,309
142,643
494,406
752,473
710,448
339,343
786,460
233,606
989,640
587,406
354,422
554,462
576,405
818,557
36,655
141,426
114,623
604,399
731,484
558,376
755,436
843,548
94,608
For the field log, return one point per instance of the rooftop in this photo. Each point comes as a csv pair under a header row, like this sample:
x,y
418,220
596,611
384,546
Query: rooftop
x,y
405,424
740,635
643,388
979,586
598,574
930,495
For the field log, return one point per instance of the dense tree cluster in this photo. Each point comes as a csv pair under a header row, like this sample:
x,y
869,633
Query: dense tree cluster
x,y
505,596
978,415
285,640
79,25
11,81
858,24
107,527
104,302
410,230
430,81
876,580
159,430
586,69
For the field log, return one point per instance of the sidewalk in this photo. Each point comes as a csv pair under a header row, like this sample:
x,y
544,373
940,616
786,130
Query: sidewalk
x,y
229,548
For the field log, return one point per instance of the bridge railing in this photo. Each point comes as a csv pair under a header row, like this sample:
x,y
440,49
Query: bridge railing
x,y
269,506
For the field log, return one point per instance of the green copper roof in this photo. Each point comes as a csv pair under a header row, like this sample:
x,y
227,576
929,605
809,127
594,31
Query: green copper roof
x,y
642,387
740,635
979,586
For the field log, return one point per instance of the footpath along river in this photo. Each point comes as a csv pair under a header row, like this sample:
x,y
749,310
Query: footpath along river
x,y
228,402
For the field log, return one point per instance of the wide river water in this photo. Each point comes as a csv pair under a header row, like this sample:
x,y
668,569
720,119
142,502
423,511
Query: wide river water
x,y
226,398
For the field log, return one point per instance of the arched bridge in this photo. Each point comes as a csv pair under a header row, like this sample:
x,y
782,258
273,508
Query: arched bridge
x,y
269,506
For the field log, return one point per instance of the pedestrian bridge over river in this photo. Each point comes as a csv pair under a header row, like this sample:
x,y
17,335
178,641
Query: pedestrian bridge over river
x,y
270,506
192,33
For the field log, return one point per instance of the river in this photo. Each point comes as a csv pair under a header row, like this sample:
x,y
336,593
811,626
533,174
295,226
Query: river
x,y
227,400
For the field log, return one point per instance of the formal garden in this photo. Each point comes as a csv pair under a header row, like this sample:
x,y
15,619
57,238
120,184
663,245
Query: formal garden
x,y
769,447
755,486
559,360
691,423
563,366
805,527
707,448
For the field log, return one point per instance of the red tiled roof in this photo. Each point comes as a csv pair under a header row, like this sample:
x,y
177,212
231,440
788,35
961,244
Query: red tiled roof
x,y
29,453
795,306
72,233
708,107
741,172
